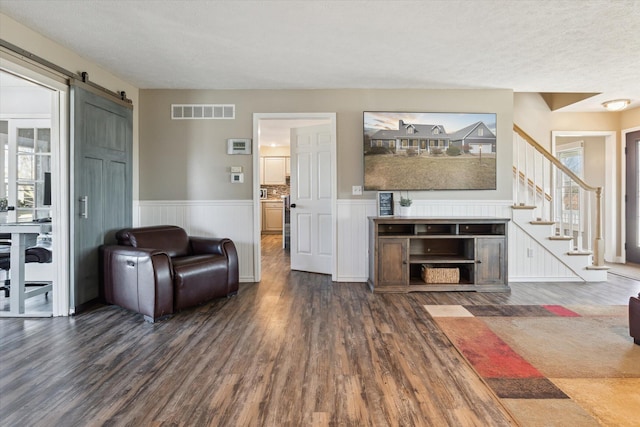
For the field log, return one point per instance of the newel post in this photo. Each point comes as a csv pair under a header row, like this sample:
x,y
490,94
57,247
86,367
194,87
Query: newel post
x,y
598,244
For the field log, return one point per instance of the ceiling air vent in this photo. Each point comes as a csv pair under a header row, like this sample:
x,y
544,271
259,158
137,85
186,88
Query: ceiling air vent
x,y
202,111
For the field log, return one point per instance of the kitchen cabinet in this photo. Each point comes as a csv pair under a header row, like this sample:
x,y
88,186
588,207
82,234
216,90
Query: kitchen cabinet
x,y
274,169
272,216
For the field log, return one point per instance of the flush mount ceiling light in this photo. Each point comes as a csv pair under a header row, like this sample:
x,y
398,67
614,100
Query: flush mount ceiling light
x,y
616,104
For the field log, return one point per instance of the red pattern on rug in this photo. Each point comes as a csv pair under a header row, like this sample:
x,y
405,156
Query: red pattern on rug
x,y
588,353
561,311
489,354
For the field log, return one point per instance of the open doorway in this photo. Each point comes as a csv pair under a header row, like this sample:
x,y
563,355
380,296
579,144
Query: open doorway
x,y
594,153
31,165
274,164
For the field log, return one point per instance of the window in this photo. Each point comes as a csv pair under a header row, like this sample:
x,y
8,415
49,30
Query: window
x,y
4,142
410,130
572,159
33,160
570,193
481,132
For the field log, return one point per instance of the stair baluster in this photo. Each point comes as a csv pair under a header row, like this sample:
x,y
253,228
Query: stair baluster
x,y
558,196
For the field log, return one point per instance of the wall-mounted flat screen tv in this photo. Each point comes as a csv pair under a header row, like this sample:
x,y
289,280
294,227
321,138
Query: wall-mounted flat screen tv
x,y
429,151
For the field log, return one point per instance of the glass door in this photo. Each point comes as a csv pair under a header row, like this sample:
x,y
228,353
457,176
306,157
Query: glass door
x,y
26,193
33,185
4,169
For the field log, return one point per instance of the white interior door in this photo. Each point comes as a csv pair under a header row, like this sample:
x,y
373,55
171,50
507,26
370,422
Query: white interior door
x,y
311,197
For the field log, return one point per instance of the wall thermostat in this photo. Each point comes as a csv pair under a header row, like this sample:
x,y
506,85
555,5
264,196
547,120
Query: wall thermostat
x,y
238,146
237,178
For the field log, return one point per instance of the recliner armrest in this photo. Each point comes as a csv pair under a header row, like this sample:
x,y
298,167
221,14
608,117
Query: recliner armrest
x,y
208,245
139,279
634,318
221,246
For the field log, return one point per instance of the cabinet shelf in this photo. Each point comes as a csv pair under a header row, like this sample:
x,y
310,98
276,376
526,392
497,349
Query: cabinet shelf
x,y
441,236
418,282
439,259
396,230
399,247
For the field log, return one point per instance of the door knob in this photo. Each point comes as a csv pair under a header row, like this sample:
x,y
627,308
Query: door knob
x,y
293,205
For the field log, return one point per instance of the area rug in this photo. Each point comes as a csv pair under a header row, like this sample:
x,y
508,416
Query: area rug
x,y
551,365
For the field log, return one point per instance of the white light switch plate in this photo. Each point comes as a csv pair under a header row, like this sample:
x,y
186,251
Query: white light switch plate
x,y
236,169
356,190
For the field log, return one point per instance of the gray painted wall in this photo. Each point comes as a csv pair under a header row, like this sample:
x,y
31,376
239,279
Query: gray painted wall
x,y
187,160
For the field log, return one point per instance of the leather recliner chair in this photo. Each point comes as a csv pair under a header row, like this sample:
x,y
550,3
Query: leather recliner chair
x,y
634,318
159,270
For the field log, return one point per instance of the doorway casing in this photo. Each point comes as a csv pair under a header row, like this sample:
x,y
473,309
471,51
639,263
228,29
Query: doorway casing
x,y
257,117
623,189
609,217
59,169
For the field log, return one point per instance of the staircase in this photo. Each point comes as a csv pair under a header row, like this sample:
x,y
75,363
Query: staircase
x,y
557,209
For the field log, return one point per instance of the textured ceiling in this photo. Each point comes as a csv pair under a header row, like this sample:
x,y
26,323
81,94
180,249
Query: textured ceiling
x,y
585,46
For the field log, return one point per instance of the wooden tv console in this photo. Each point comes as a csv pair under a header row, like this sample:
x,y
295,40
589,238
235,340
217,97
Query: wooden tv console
x,y
400,247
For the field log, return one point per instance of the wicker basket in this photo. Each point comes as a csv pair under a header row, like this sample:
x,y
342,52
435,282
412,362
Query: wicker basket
x,y
440,275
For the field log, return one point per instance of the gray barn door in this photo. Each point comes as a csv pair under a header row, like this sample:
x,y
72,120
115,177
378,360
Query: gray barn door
x,y
101,184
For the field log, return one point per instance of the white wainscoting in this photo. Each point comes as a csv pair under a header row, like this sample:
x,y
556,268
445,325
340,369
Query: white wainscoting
x,y
234,219
353,238
206,218
462,208
353,232
541,266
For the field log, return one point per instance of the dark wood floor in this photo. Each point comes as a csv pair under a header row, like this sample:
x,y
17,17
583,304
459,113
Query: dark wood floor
x,y
293,350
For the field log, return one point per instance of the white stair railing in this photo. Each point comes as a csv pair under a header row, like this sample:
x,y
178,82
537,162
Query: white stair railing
x,y
558,196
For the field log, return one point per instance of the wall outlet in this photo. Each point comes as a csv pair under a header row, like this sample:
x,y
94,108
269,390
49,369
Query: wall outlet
x,y
356,190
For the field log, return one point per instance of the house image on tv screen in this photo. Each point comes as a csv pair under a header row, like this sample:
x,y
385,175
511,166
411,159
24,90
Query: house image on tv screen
x,y
427,139
429,151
